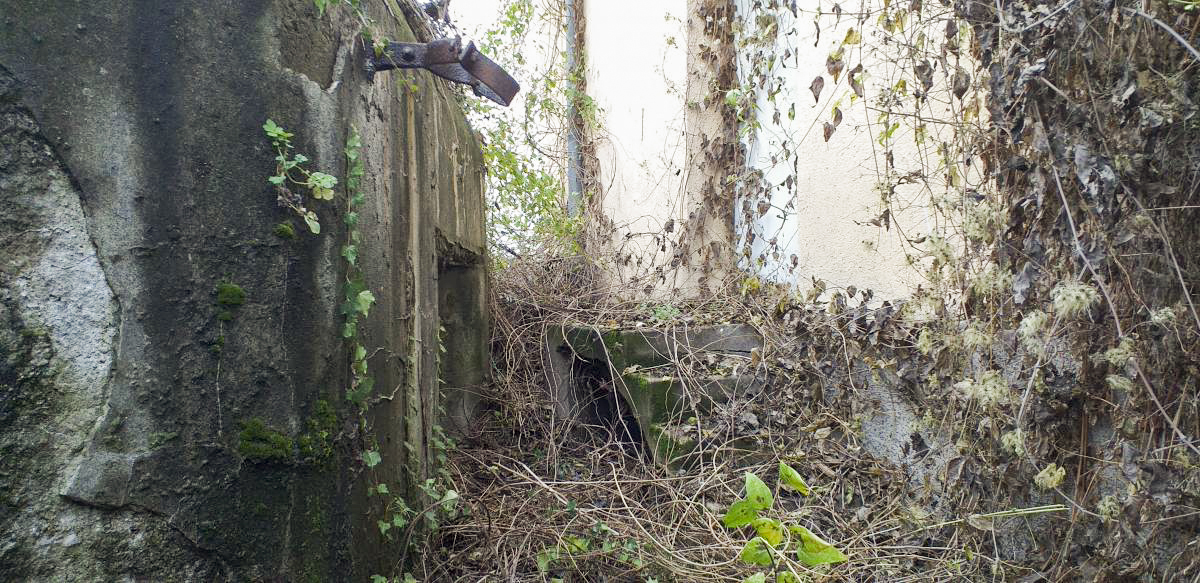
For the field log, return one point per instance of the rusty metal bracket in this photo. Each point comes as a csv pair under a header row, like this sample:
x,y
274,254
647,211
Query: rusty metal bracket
x,y
449,59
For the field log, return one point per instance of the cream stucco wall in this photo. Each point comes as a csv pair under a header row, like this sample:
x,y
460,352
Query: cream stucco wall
x,y
637,76
821,222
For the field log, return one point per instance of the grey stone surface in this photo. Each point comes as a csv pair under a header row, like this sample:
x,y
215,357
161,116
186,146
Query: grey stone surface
x,y
132,182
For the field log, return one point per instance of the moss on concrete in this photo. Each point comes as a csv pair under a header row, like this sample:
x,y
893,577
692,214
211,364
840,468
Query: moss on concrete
x,y
285,230
230,294
316,443
257,442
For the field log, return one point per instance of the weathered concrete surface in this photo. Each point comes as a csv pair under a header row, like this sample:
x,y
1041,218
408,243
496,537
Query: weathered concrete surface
x,y
132,183
641,365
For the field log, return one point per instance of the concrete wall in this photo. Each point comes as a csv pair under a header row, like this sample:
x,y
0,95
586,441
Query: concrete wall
x,y
132,183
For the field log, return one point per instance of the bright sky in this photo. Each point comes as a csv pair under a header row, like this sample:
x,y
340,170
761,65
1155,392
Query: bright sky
x,y
473,16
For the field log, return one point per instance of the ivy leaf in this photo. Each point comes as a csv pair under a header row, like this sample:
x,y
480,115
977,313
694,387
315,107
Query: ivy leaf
x,y
363,302
813,550
276,180
756,552
322,193
353,144
853,37
314,225
382,488
384,526
350,252
319,178
374,578
275,132
769,529
371,458
791,479
756,578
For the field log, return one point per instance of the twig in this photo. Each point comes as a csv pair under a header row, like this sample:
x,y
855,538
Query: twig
x,y
1164,26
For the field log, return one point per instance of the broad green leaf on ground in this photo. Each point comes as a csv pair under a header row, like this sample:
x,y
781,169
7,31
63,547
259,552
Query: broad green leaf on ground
x,y
740,514
756,578
757,552
813,550
791,479
757,493
770,530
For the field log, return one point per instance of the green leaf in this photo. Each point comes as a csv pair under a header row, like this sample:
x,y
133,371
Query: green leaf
x,y
320,178
399,521
756,578
813,550
408,578
756,552
740,514
275,132
545,557
349,329
448,500
376,578
313,224
853,37
350,252
300,159
276,179
575,544
757,492
791,479
384,526
322,193
769,529
358,395
382,489
363,301
371,458
353,144
786,577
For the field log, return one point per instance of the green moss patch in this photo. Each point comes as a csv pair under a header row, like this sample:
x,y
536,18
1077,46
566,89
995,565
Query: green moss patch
x,y
257,442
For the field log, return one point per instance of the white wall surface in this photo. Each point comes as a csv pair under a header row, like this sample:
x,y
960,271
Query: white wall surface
x,y
637,75
820,220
